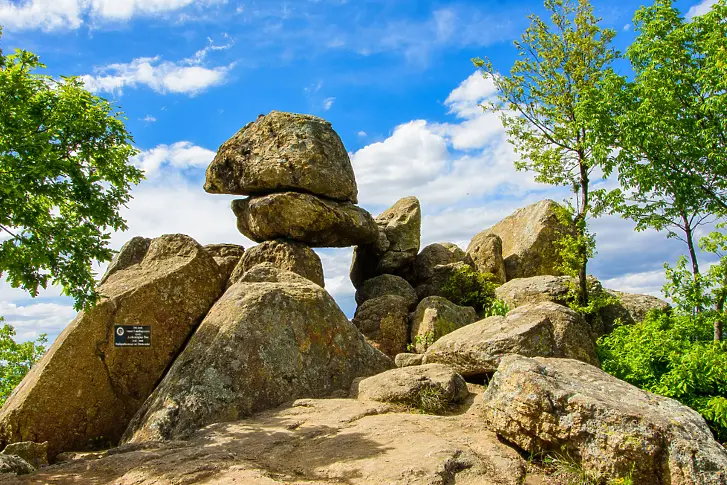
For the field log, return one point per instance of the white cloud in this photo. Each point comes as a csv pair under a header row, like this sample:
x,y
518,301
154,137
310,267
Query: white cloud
x,y
71,14
627,27
464,100
32,320
149,119
180,155
362,133
328,102
701,8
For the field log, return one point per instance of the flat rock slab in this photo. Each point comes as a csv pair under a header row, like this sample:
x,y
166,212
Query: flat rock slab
x,y
305,218
272,337
311,442
283,152
611,427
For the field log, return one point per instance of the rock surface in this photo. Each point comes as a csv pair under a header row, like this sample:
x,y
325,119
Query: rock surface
x,y
384,321
630,309
440,276
406,359
485,250
438,254
546,330
528,237
263,343
283,152
537,289
386,284
85,390
305,218
610,426
311,442
12,464
36,454
413,385
286,255
435,317
226,256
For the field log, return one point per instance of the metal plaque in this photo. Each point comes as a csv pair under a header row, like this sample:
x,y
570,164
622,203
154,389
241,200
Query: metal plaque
x,y
132,335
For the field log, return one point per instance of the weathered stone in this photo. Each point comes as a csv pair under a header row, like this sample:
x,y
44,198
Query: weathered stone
x,y
263,343
528,240
485,250
411,385
438,254
132,252
85,390
630,309
546,330
384,321
406,359
537,289
304,218
397,246
440,277
36,454
435,317
286,255
283,152
226,256
612,428
386,284
14,464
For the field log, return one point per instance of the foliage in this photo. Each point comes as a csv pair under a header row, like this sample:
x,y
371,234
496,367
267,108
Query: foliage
x,y
469,287
16,359
64,175
498,307
569,471
421,341
548,105
431,400
672,354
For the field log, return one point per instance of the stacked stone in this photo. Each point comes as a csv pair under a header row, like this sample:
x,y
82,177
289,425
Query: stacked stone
x,y
302,192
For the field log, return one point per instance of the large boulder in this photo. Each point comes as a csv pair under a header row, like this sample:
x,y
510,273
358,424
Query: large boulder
x,y
283,152
528,240
226,256
386,284
400,226
274,336
631,308
428,387
86,388
438,254
537,289
435,317
385,321
612,428
441,274
546,330
485,250
305,218
36,454
286,255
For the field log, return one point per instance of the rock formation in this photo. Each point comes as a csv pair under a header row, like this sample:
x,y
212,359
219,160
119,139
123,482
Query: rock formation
x,y
386,284
285,255
434,318
226,256
485,250
385,322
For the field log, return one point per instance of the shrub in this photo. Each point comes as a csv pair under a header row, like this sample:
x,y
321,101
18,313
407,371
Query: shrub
x,y
468,287
16,359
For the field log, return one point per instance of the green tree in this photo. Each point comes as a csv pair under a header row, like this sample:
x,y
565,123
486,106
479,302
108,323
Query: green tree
x,y
547,105
16,359
669,123
64,175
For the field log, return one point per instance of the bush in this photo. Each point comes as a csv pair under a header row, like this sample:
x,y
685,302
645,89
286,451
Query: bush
x,y
468,287
16,359
673,355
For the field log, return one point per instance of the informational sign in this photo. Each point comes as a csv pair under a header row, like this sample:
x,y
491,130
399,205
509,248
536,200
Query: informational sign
x,y
132,335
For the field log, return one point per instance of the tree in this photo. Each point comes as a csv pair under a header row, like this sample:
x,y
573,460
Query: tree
x,y
669,124
16,359
547,105
64,175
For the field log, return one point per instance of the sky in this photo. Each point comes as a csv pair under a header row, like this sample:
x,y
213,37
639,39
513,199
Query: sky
x,y
394,77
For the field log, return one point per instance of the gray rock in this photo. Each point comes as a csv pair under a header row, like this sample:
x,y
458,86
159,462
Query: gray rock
x,y
36,454
413,386
132,252
305,218
85,389
386,284
263,343
438,254
226,256
612,428
283,152
14,464
384,321
435,317
630,309
537,289
485,250
286,255
406,359
440,277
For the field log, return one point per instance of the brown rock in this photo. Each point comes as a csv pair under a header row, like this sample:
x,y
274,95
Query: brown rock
x,y
283,152
36,454
406,359
226,256
285,255
485,250
305,218
435,317
84,391
384,322
631,308
263,343
386,284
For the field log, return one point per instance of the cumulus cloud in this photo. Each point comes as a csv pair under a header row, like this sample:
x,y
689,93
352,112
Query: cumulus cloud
x,y
328,102
180,155
71,14
701,8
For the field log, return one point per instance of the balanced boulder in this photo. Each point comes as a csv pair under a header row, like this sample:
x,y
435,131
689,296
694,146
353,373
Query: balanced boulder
x,y
384,321
485,250
283,152
226,256
434,318
611,428
386,284
305,218
285,255
87,387
528,240
273,337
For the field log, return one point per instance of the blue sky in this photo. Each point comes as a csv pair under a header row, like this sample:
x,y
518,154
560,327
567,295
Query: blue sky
x,y
394,78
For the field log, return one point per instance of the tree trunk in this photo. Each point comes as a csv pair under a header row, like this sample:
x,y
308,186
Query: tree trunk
x,y
581,228
690,244
718,328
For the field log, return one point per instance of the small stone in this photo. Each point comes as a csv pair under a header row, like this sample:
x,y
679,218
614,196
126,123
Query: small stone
x,y
406,359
